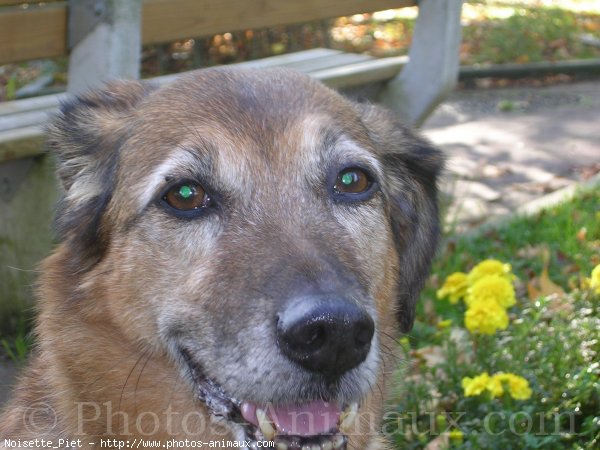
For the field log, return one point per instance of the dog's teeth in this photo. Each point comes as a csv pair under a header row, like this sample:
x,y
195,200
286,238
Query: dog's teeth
x,y
265,424
327,445
311,447
338,442
348,417
353,407
281,446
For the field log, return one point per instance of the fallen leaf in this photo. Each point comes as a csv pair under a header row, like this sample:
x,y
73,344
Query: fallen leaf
x,y
547,286
571,268
543,286
433,355
532,291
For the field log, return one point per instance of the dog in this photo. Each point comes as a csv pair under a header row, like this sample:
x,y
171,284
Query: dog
x,y
237,254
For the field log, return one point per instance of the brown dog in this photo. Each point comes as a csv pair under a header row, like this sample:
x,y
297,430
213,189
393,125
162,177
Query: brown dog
x,y
237,253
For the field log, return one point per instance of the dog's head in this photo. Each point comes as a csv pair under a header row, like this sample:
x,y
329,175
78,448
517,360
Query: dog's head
x,y
261,230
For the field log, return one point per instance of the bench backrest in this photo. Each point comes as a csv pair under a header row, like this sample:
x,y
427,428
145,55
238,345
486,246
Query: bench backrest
x,y
31,30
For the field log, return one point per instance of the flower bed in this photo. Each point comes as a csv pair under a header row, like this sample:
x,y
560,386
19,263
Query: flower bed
x,y
504,358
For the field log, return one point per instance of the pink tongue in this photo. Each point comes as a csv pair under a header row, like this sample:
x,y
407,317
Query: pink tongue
x,y
310,419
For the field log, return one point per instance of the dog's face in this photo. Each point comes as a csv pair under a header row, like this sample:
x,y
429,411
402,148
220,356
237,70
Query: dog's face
x,y
265,233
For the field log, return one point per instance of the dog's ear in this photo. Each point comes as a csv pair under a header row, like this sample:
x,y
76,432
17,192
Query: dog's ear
x,y
411,168
85,137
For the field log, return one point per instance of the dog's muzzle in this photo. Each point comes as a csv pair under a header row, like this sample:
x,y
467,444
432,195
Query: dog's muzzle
x,y
326,336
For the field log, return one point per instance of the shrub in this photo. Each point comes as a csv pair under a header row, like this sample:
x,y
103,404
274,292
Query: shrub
x,y
534,383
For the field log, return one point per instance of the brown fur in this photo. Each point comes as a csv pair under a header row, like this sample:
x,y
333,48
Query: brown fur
x,y
128,280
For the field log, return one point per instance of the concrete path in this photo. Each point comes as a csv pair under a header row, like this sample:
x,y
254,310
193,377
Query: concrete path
x,y
499,160
509,147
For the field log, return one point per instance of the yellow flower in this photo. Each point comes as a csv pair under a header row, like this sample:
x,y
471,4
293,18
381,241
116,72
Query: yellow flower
x,y
485,317
518,386
455,287
490,267
475,386
595,279
442,324
495,386
456,435
492,289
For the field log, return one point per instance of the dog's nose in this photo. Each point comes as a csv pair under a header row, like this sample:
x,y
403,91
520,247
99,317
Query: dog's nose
x,y
325,335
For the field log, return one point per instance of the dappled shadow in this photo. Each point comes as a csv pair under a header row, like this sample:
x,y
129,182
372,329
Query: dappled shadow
x,y
499,161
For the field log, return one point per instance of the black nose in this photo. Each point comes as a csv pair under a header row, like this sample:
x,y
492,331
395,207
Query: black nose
x,y
325,335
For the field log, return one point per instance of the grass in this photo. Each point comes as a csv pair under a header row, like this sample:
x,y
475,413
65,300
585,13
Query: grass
x,y
17,343
571,233
528,31
552,341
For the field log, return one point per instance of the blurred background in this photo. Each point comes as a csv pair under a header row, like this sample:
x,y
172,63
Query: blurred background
x,y
494,32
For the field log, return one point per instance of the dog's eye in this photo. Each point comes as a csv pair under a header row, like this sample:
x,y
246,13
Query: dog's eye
x,y
352,181
187,196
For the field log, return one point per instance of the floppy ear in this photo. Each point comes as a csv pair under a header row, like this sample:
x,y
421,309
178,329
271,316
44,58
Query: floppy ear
x,y
85,137
411,165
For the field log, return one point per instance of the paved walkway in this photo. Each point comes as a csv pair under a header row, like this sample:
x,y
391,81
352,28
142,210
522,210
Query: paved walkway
x,y
509,147
499,160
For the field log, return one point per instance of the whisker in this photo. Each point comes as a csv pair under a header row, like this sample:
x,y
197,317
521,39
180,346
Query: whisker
x,y
142,355
137,382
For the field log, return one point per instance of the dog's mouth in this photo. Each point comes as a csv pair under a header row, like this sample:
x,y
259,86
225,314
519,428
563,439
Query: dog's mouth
x,y
316,425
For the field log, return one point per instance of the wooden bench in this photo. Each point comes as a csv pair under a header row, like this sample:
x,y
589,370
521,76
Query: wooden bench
x,y
103,40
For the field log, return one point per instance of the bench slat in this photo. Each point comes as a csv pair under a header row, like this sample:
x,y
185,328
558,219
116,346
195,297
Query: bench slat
x,y
361,73
333,59
41,31
35,32
24,119
21,143
21,132
291,58
20,3
167,20
31,104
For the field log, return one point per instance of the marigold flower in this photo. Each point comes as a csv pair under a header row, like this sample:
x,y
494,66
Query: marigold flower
x,y
495,386
442,324
518,386
455,287
595,279
485,317
490,267
490,289
456,435
476,385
